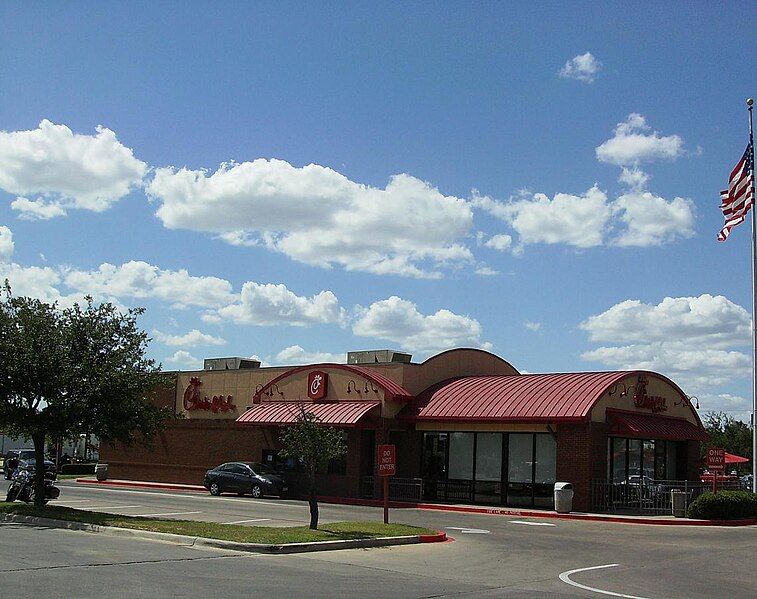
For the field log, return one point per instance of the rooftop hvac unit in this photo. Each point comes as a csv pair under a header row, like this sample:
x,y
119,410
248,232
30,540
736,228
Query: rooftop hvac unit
x,y
378,356
230,364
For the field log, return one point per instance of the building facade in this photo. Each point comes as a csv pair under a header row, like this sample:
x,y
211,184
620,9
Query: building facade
x,y
467,426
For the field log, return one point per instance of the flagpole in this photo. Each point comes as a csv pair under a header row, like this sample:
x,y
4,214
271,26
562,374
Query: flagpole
x,y
749,103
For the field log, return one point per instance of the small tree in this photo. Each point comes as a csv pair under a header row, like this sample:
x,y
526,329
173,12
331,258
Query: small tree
x,y
79,369
314,445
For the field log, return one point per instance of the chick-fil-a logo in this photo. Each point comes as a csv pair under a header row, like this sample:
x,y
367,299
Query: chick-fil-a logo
x,y
193,400
317,384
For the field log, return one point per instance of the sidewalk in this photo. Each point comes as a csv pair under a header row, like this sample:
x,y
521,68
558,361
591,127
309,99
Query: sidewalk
x,y
471,509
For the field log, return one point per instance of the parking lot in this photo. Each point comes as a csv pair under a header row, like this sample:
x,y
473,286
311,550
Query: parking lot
x,y
491,556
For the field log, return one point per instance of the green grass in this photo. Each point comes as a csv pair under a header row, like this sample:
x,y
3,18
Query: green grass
x,y
228,532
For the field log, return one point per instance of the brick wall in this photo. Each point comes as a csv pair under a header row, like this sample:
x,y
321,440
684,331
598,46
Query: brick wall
x,y
581,457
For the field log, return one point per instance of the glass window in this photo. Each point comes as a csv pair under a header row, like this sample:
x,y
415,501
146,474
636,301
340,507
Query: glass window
x,y
520,458
648,459
546,459
660,473
461,456
618,459
634,458
670,461
489,456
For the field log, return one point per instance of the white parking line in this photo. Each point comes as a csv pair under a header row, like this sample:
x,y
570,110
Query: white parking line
x,y
243,521
110,507
475,531
207,497
74,501
164,514
565,577
527,523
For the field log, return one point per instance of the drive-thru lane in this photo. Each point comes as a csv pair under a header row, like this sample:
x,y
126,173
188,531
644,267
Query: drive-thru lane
x,y
491,555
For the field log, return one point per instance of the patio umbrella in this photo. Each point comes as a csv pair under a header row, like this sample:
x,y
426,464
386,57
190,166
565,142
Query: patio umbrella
x,y
734,459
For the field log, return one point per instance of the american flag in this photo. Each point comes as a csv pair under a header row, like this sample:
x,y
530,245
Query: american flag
x,y
738,198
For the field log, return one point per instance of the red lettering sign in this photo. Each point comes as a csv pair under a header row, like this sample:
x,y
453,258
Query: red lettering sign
x,y
715,459
655,403
386,460
193,400
318,385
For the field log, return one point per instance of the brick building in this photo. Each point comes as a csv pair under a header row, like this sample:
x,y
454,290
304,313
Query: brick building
x,y
467,426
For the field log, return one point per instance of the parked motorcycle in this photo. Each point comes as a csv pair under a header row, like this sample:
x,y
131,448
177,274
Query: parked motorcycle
x,y
22,485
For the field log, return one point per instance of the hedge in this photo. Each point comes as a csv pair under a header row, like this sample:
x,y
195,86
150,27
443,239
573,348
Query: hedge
x,y
77,469
724,505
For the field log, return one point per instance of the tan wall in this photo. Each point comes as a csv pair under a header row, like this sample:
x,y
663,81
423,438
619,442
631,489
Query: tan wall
x,y
655,387
485,427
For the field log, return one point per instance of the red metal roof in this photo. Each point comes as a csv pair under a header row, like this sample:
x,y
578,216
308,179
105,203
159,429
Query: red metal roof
x,y
654,426
525,397
338,413
392,390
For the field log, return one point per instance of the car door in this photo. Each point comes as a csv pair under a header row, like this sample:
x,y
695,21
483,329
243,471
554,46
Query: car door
x,y
225,475
241,475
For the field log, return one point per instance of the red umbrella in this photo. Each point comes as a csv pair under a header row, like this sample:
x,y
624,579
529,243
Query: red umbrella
x,y
734,459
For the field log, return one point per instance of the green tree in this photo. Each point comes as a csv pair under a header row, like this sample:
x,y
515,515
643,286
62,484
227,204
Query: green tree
x,y
725,431
66,371
314,445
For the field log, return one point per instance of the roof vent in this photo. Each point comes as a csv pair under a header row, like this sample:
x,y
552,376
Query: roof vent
x,y
378,356
230,364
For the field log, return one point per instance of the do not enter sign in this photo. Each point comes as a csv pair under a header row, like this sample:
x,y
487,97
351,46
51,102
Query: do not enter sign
x,y
387,460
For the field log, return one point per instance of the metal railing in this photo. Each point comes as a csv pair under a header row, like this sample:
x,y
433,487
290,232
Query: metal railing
x,y
646,496
400,489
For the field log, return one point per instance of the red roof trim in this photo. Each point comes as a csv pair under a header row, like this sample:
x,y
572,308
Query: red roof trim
x,y
392,390
335,413
654,426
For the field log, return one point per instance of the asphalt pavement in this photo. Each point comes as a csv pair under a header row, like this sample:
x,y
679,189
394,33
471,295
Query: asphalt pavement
x,y
491,556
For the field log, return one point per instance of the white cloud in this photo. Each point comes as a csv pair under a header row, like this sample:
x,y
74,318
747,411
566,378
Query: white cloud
x,y
500,242
6,244
634,177
691,339
399,321
186,360
652,220
486,271
577,220
711,321
532,326
318,216
582,67
296,355
634,142
71,170
270,304
142,280
39,209
193,337
42,283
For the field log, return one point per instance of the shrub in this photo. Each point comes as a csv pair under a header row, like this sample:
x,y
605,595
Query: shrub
x,y
724,505
77,469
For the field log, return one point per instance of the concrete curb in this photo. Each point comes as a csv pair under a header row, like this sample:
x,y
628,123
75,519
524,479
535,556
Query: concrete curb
x,y
458,508
189,541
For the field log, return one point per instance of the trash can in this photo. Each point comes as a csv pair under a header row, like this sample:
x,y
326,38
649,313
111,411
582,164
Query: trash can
x,y
678,503
563,497
101,471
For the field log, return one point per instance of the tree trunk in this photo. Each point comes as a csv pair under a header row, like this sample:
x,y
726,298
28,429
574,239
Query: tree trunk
x,y
39,476
313,501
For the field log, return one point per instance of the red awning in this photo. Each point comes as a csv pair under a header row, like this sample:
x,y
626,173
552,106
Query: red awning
x,y
654,426
338,413
734,459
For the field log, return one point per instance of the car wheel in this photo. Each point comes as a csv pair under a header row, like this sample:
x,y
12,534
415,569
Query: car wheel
x,y
256,491
215,489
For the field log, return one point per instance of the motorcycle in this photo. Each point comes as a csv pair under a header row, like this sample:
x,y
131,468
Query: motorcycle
x,y
22,485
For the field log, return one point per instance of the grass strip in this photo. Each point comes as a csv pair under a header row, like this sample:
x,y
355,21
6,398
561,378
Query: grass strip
x,y
332,531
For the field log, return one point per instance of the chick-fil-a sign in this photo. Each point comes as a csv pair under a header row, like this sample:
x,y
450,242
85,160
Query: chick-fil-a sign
x,y
318,383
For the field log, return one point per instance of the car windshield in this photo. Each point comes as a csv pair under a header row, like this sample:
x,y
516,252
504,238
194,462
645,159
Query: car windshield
x,y
26,455
260,468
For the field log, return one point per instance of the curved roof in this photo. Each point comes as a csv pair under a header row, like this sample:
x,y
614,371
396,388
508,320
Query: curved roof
x,y
337,413
456,350
392,390
525,397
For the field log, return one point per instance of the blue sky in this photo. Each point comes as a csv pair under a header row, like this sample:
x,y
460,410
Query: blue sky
x,y
294,181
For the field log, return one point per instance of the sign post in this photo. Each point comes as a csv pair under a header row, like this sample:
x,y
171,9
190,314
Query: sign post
x,y
715,464
386,466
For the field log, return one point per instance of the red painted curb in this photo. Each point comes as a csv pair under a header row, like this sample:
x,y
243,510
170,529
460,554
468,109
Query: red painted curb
x,y
454,508
439,537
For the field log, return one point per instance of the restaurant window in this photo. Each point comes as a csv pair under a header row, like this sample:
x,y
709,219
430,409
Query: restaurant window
x,y
520,469
339,465
461,456
488,468
640,459
544,471
434,465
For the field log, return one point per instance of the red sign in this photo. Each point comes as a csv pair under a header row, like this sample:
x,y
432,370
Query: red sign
x,y
318,385
387,460
715,459
193,399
